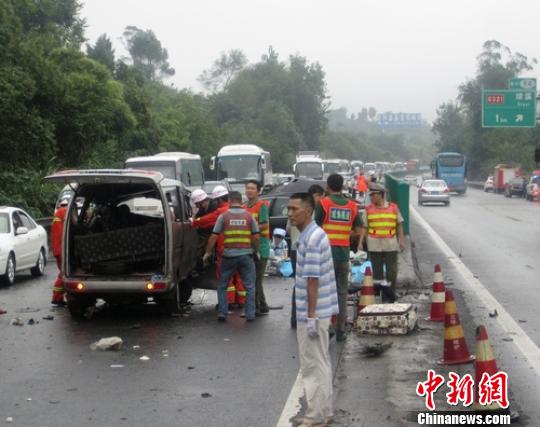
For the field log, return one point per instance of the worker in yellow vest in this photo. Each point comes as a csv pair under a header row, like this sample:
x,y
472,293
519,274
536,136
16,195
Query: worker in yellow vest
x,y
339,218
383,225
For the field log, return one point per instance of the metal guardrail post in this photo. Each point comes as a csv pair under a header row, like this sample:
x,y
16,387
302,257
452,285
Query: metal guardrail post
x,y
398,192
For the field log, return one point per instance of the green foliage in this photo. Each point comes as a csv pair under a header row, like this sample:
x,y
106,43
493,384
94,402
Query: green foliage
x,y
102,51
223,70
458,126
280,106
148,56
62,108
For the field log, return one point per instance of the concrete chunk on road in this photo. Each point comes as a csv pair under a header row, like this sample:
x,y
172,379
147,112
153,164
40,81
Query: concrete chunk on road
x,y
110,343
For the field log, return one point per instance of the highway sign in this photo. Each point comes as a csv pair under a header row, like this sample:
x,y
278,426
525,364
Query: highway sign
x,y
518,83
508,108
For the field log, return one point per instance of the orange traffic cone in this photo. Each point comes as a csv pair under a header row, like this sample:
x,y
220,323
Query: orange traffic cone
x,y
367,292
455,346
437,297
485,364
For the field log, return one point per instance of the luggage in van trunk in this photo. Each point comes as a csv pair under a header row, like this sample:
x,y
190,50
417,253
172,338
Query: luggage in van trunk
x,y
130,244
386,319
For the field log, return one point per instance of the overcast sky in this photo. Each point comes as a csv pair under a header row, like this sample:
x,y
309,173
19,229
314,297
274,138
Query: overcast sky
x,y
394,55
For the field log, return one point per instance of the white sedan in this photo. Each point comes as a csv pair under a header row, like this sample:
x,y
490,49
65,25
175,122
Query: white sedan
x,y
23,244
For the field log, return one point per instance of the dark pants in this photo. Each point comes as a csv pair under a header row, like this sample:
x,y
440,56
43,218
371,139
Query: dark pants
x,y
388,260
245,267
341,270
260,299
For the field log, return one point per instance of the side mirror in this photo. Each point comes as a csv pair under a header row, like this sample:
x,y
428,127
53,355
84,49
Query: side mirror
x,y
21,230
263,163
212,163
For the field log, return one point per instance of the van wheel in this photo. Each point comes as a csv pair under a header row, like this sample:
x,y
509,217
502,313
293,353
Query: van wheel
x,y
39,268
171,300
78,306
186,289
8,278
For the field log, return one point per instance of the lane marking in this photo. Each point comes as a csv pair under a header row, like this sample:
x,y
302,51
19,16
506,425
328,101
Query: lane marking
x,y
292,406
527,346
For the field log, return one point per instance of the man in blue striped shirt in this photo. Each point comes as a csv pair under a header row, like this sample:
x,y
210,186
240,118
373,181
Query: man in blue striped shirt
x,y
316,302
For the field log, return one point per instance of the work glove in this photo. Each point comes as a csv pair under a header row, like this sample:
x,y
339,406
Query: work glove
x,y
206,259
312,327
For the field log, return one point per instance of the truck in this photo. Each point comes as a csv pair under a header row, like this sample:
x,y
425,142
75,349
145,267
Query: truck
x,y
502,174
177,165
121,250
309,165
239,163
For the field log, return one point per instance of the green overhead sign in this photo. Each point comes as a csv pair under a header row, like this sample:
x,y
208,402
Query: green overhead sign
x,y
519,83
509,108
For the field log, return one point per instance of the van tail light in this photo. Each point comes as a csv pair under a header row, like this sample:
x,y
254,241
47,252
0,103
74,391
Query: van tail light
x,y
158,286
75,286
446,190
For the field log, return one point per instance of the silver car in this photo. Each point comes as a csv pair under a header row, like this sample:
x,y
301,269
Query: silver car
x,y
434,190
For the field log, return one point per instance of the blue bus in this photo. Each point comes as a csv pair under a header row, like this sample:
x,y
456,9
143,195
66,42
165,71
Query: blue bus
x,y
452,168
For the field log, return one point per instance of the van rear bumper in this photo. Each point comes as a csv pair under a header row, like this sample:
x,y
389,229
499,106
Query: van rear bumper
x,y
149,286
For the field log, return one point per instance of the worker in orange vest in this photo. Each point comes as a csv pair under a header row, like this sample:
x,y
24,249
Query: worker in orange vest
x,y
339,218
383,225
57,229
259,209
361,184
220,195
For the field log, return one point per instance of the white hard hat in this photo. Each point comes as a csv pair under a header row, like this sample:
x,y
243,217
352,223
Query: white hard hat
x,y
279,232
219,191
198,196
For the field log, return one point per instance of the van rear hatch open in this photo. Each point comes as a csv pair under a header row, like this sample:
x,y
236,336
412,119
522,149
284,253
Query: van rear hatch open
x,y
117,239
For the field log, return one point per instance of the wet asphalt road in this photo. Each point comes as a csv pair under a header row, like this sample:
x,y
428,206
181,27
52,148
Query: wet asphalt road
x,y
498,241
498,238
200,372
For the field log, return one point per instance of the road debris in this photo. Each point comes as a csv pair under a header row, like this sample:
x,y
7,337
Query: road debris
x,y
493,313
49,317
117,366
375,350
110,343
136,347
144,358
17,321
136,326
32,321
9,419
3,311
27,310
205,395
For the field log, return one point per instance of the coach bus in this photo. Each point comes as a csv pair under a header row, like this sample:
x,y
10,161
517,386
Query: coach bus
x,y
452,168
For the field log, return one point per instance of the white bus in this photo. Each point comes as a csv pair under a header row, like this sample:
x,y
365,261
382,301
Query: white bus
x,y
239,163
184,167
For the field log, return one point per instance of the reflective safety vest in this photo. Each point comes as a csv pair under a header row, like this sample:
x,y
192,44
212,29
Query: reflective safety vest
x,y
361,183
57,228
255,210
237,230
338,221
382,222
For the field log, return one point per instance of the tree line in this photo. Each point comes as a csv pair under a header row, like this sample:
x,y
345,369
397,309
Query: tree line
x,y
458,126
66,102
